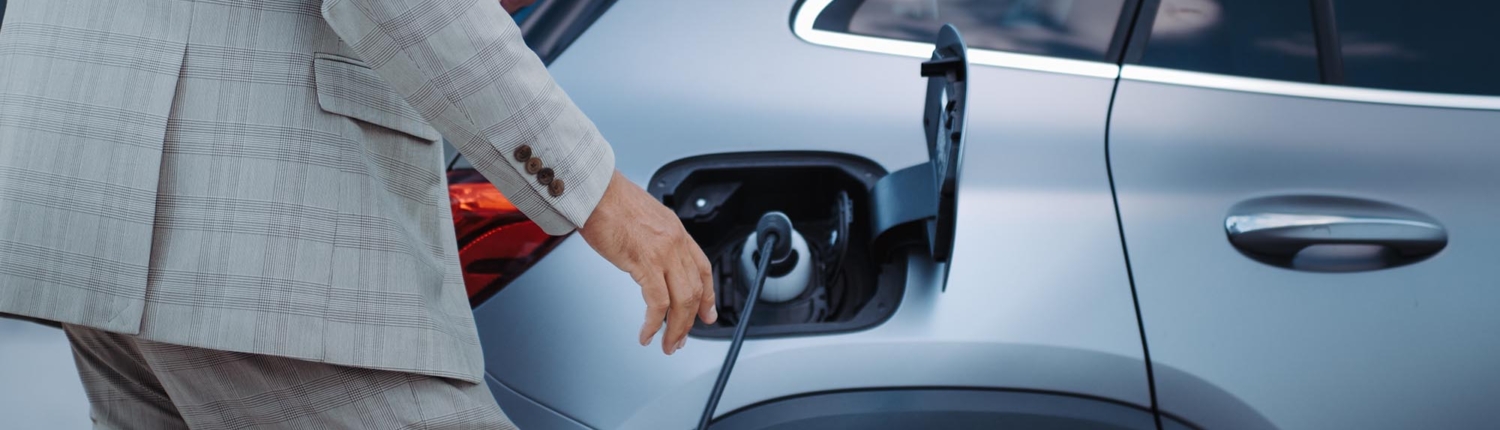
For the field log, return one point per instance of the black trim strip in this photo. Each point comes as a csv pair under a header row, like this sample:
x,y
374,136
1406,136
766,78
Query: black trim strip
x,y
1326,36
1140,31
1123,29
934,387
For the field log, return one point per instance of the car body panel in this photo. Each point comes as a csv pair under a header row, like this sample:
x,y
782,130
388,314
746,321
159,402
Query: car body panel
x,y
1404,347
528,414
1037,298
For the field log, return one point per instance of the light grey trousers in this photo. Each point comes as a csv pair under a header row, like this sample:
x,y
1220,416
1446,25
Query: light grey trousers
x,y
138,384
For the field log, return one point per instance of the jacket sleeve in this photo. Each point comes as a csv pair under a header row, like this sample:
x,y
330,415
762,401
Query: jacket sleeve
x,y
464,66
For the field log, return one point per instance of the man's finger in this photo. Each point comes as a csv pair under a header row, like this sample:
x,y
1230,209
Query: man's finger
x,y
708,310
683,284
654,290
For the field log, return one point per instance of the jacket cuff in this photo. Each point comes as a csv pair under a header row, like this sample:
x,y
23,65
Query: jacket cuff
x,y
586,176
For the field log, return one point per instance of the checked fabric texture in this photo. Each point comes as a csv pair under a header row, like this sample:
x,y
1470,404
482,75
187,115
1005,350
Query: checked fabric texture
x,y
261,176
135,384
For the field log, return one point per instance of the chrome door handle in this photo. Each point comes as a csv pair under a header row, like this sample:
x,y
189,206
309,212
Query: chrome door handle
x,y
1332,234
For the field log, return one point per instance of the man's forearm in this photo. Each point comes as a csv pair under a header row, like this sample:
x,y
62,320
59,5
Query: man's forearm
x,y
464,66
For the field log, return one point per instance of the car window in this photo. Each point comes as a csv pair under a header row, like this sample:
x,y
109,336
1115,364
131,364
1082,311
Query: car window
x,y
1270,39
551,26
1446,46
1077,29
521,14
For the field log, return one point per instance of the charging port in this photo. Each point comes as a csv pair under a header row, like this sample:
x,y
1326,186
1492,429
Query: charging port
x,y
833,283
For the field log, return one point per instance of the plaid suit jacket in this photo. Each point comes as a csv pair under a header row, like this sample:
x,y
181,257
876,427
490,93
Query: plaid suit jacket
x,y
261,175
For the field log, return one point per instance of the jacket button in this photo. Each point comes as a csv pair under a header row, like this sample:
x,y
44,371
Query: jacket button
x,y
533,165
523,153
544,176
556,188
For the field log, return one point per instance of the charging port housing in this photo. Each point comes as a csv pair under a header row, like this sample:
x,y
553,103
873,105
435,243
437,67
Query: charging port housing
x,y
720,197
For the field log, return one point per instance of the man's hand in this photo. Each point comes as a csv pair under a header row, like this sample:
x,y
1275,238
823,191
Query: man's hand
x,y
644,238
511,6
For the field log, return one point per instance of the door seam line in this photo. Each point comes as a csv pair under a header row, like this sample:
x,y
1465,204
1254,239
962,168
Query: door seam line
x,y
1125,251
1120,224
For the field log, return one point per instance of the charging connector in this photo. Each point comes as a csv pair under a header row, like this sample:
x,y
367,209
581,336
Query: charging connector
x,y
774,232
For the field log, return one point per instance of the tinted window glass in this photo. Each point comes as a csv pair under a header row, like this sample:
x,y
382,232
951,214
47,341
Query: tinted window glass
x,y
1270,39
1079,29
1447,46
549,27
524,12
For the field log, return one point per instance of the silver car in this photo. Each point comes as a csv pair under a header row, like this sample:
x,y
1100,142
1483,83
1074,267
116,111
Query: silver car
x,y
1169,214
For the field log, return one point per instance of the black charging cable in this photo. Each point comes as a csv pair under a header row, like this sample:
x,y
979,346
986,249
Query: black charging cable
x,y
774,233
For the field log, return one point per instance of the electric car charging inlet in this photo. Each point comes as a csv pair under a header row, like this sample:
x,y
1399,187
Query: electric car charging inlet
x,y
913,206
775,249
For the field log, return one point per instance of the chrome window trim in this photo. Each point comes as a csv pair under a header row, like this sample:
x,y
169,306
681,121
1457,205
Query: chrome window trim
x,y
1299,89
807,13
802,27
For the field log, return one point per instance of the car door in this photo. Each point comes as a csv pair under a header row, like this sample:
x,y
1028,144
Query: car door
x,y
1037,298
1307,193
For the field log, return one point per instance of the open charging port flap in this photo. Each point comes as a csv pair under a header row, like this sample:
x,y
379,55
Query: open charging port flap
x,y
855,225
